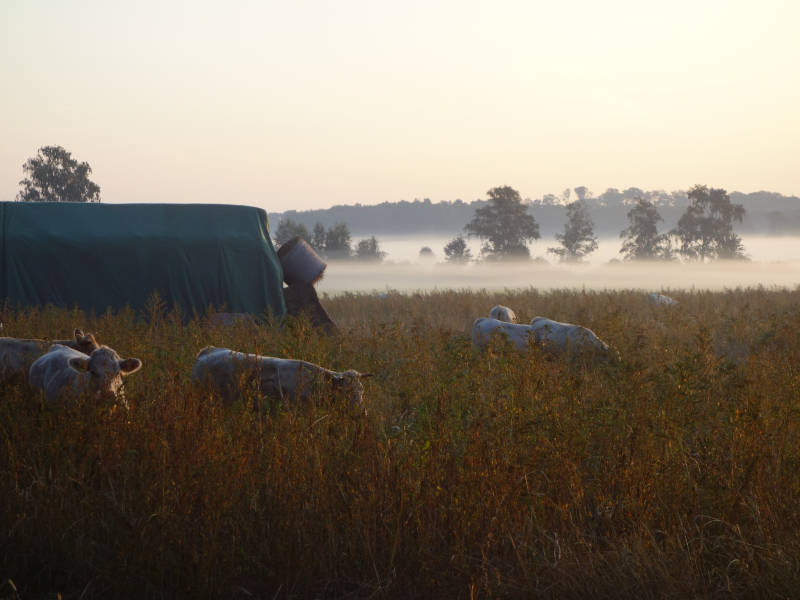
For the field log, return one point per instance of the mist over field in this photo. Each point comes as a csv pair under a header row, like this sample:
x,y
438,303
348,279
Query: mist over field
x,y
775,262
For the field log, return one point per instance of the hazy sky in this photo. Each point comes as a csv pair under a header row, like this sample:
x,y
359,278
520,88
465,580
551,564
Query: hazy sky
x,y
305,104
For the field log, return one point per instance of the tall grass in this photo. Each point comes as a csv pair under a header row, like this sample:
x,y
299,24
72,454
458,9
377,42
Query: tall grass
x,y
674,473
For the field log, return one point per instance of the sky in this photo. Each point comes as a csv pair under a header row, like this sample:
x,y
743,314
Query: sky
x,y
307,104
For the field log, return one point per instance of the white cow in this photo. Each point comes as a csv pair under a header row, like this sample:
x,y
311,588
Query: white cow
x,y
65,370
655,299
566,338
229,372
484,328
502,313
17,355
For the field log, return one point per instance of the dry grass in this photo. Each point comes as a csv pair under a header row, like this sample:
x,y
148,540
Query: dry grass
x,y
672,474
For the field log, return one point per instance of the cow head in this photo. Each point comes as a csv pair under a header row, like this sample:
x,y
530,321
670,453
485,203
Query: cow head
x,y
105,370
348,384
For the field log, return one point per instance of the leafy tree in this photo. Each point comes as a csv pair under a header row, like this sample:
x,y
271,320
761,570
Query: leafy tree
x,y
425,253
730,247
456,251
578,238
369,250
642,240
582,192
287,229
337,242
54,176
505,223
611,196
317,240
705,231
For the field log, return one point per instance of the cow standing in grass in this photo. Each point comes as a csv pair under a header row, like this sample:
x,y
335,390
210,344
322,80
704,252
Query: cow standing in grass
x,y
63,371
552,336
229,373
655,299
483,329
17,355
573,340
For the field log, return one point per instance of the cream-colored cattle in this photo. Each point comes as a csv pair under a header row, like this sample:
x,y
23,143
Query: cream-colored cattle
x,y
229,373
655,299
503,313
17,355
484,328
64,371
566,338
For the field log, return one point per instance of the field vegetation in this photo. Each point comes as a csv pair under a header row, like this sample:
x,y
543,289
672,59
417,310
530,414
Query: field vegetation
x,y
673,473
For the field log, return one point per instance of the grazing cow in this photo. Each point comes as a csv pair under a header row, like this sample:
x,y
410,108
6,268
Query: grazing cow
x,y
566,338
65,370
484,328
17,355
660,300
229,372
502,313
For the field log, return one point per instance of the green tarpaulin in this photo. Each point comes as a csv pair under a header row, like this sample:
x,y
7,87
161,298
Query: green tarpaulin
x,y
100,256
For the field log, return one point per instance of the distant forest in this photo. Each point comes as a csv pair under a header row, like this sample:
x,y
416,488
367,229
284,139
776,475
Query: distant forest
x,y
768,213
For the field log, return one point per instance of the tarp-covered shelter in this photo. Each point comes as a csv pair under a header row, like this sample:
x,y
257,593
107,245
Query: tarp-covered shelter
x,y
99,256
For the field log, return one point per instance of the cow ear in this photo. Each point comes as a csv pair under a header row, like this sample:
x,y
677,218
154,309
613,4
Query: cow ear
x,y
78,334
129,365
78,363
365,375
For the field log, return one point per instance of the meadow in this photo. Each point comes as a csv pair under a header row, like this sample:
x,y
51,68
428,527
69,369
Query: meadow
x,y
673,473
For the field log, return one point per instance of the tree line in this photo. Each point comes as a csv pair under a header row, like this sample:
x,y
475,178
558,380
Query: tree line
x,y
334,243
767,213
506,227
704,231
503,223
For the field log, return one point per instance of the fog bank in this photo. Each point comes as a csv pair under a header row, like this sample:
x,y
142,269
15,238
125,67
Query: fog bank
x,y
405,248
354,277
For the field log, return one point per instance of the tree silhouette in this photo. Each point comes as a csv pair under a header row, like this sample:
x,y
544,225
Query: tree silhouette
x,y
505,225
705,231
369,250
287,229
456,251
317,240
54,176
582,192
337,242
578,238
642,240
